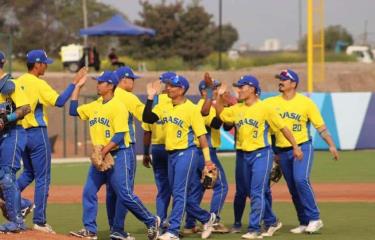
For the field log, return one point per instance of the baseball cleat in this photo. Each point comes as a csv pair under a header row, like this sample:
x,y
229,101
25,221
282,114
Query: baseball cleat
x,y
208,227
121,236
272,229
193,230
298,230
44,228
252,235
84,233
12,227
153,231
314,226
235,229
220,228
168,236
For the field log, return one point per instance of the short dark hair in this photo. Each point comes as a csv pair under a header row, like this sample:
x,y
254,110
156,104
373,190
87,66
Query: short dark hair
x,y
2,65
30,66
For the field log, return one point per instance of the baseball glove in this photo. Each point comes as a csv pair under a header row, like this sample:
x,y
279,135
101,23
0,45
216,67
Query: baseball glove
x,y
276,173
209,82
209,176
100,163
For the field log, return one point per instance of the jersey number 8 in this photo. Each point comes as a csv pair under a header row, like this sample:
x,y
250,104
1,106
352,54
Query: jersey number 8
x,y
179,133
107,133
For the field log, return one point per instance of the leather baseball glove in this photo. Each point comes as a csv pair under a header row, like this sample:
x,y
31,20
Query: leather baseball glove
x,y
276,173
209,82
209,176
100,163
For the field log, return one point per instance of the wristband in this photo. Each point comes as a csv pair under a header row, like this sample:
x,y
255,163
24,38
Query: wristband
x,y
206,154
12,117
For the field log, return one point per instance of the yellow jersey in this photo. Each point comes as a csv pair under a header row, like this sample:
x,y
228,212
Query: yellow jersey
x,y
213,135
15,100
298,113
252,124
105,119
183,123
40,95
158,128
135,108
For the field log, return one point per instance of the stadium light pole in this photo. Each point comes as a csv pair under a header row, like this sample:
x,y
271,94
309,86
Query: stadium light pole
x,y
220,32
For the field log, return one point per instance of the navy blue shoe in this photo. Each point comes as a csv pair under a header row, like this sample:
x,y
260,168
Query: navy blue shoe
x,y
12,227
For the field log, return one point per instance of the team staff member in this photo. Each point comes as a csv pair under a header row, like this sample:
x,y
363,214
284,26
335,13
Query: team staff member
x,y
183,123
213,125
107,119
154,134
252,119
298,112
13,107
37,155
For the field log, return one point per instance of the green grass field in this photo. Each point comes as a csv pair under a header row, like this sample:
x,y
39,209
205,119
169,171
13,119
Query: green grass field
x,y
342,220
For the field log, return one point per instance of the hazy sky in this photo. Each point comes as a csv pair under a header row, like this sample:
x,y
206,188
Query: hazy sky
x,y
257,20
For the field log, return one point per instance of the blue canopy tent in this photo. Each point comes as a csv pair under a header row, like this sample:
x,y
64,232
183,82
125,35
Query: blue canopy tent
x,y
116,26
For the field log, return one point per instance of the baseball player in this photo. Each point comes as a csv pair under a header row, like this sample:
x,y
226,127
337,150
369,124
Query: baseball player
x,y
37,155
183,123
213,125
13,107
135,108
298,112
107,119
154,134
252,119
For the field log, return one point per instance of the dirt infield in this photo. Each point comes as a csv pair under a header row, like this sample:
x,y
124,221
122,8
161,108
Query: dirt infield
x,y
34,235
325,192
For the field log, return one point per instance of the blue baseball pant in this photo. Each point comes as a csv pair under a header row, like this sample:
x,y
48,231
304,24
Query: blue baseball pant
x,y
12,145
183,179
220,189
37,165
240,196
160,168
256,169
297,176
120,180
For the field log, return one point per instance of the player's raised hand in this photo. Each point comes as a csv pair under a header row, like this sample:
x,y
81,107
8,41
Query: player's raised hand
x,y
157,86
334,152
151,91
222,89
82,73
81,81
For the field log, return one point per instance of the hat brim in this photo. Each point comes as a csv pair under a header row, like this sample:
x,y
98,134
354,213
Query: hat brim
x,y
237,85
282,78
49,61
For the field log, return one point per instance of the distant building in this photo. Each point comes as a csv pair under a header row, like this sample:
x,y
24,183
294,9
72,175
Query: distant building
x,y
271,44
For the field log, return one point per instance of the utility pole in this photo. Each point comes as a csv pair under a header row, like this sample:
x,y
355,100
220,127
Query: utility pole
x,y
365,34
299,21
220,32
85,49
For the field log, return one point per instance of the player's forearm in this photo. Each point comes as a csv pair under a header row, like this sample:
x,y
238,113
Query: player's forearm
x,y
205,149
324,133
289,136
64,96
205,110
146,142
20,113
116,140
73,106
219,107
148,116
216,123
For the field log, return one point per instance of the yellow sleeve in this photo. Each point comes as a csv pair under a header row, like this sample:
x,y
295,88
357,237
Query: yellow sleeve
x,y
120,118
314,115
18,96
274,119
138,108
208,119
227,115
197,122
146,127
84,111
158,111
47,93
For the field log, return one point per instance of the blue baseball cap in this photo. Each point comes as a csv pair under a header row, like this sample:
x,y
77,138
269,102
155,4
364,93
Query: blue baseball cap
x,y
202,84
107,76
125,72
179,81
2,57
38,56
164,77
288,75
248,80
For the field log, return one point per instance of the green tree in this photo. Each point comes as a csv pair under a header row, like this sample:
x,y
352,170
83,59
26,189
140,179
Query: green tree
x,y
332,34
164,19
229,36
49,24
